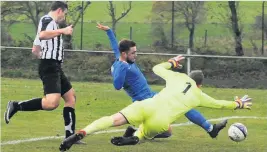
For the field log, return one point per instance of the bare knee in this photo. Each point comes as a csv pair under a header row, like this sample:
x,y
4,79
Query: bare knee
x,y
118,119
70,102
69,98
51,102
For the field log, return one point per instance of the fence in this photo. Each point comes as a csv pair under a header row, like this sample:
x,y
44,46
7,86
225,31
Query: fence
x,y
88,65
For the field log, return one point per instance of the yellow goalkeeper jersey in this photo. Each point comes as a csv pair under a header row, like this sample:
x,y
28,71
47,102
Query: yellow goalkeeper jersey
x,y
182,94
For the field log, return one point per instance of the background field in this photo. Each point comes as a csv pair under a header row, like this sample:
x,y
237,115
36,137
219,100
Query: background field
x,y
139,18
99,99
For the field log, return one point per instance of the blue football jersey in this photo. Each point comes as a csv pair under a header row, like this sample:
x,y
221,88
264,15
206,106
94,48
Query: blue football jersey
x,y
128,76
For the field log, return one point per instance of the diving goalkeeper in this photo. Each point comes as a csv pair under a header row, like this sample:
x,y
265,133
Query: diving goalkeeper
x,y
154,115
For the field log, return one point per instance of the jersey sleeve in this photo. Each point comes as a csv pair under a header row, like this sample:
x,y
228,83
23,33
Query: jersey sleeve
x,y
119,73
207,101
46,24
162,70
113,43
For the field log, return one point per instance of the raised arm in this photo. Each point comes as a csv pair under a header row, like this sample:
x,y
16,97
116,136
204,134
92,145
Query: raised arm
x,y
162,69
112,39
46,29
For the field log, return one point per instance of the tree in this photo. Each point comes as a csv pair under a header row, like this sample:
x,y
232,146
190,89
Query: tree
x,y
159,8
235,28
230,15
190,10
75,13
258,26
112,13
6,39
11,12
32,11
258,23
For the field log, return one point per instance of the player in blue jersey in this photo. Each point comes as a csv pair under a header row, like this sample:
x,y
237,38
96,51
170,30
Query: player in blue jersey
x,y
128,76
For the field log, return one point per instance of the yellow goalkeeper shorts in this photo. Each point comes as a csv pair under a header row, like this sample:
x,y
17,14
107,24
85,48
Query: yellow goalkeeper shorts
x,y
151,118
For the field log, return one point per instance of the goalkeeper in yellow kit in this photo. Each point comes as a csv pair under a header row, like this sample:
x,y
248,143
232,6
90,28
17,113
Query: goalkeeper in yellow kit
x,y
154,115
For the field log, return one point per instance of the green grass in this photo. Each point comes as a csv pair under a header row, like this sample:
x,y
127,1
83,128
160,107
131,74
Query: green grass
x,y
95,100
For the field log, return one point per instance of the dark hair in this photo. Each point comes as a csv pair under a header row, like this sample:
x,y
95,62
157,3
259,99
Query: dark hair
x,y
197,75
59,4
125,45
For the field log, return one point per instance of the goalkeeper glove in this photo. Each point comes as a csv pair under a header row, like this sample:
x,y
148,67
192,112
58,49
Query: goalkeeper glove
x,y
176,61
244,102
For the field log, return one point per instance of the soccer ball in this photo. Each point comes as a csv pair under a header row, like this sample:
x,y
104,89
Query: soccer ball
x,y
237,132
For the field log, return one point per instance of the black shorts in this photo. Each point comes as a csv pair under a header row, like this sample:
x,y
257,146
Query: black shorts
x,y
53,78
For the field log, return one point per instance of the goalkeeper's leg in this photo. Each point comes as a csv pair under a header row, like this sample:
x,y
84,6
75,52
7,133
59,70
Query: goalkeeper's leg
x,y
103,123
166,134
130,131
153,127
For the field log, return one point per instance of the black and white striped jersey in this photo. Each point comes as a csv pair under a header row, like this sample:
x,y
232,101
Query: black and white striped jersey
x,y
52,48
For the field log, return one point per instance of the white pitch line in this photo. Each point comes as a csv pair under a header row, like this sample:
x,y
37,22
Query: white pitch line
x,y
13,142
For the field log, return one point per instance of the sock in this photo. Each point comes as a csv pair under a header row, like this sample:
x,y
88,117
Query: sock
x,y
70,120
208,125
100,124
30,105
139,132
195,117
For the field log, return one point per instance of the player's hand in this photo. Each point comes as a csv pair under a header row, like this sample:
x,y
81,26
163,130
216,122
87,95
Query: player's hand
x,y
244,102
102,27
176,61
37,51
68,30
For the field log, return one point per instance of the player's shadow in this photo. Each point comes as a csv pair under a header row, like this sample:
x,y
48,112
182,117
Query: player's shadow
x,y
161,140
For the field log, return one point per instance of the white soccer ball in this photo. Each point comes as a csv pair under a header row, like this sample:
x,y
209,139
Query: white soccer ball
x,y
237,132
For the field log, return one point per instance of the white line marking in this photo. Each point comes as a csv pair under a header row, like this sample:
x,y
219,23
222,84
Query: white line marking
x,y
13,142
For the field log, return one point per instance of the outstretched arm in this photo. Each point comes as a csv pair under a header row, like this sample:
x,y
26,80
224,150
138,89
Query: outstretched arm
x,y
207,101
112,39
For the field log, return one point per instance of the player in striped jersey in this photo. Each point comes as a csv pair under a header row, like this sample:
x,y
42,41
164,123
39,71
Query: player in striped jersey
x,y
48,47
